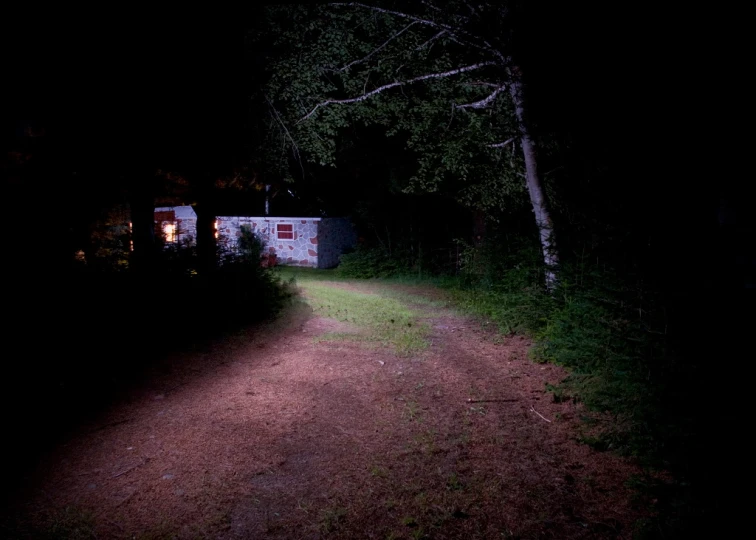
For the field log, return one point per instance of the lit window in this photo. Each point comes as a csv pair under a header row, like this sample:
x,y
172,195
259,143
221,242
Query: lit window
x,y
170,232
216,225
285,231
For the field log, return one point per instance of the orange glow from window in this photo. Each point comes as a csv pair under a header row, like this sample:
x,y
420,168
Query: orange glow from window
x,y
170,232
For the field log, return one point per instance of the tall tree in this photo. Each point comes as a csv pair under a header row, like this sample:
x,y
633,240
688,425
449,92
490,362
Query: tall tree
x,y
445,78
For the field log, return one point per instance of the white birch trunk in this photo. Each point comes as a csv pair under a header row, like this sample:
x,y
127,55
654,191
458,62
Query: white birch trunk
x,y
537,199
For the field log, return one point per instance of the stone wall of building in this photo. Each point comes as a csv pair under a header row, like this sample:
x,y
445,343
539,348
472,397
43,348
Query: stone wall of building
x,y
228,232
301,250
314,242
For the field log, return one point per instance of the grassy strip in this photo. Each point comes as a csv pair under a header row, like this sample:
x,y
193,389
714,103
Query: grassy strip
x,y
383,320
617,360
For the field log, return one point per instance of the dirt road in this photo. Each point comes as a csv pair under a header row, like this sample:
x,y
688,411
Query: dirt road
x,y
279,433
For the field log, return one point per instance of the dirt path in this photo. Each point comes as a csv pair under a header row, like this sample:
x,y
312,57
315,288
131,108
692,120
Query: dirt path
x,y
282,435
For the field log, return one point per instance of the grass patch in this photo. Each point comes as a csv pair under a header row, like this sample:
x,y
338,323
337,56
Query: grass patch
x,y
331,519
378,471
301,274
414,299
411,412
383,320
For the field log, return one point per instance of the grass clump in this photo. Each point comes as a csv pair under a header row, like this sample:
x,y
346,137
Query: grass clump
x,y
381,319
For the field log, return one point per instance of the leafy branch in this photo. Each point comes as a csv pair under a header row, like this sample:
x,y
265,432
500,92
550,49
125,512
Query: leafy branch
x,y
394,84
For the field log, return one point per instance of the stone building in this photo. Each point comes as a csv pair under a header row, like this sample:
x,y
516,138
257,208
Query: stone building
x,y
295,241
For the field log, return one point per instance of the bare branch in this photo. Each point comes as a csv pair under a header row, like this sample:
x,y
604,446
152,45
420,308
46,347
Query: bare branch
x,y
501,144
472,9
302,106
392,12
453,32
485,102
385,87
434,38
539,414
482,83
439,10
434,8
294,146
371,53
283,126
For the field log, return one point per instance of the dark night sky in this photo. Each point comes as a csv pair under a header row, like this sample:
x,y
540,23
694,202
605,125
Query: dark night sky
x,y
129,92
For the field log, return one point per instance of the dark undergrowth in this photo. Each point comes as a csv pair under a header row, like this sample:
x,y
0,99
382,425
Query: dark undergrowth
x,y
637,358
79,338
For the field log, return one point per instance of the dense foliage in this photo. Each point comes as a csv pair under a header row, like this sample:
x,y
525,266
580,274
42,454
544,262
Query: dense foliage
x,y
333,68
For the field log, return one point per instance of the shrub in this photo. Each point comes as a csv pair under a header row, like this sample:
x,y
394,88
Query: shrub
x,y
375,262
606,330
103,328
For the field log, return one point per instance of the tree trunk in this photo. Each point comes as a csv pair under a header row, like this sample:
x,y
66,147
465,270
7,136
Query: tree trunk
x,y
142,205
479,228
207,254
535,189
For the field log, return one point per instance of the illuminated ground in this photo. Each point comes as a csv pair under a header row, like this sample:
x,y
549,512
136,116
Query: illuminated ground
x,y
279,433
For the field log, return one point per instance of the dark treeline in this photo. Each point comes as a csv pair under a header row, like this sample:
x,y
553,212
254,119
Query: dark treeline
x,y
99,126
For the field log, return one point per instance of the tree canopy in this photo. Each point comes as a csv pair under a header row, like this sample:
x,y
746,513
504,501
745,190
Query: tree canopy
x,y
340,65
445,79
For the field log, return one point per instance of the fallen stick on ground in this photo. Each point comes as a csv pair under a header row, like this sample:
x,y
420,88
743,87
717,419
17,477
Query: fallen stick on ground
x,y
129,469
111,424
490,400
539,414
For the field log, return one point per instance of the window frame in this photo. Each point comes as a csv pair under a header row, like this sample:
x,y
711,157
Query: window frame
x,y
293,232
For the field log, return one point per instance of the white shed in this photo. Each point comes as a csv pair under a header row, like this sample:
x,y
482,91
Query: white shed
x,y
295,241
